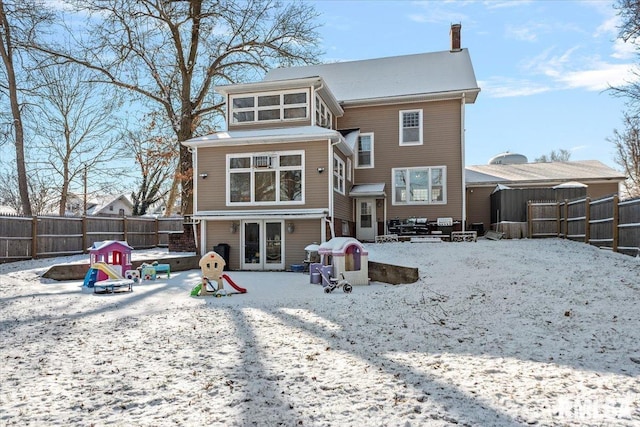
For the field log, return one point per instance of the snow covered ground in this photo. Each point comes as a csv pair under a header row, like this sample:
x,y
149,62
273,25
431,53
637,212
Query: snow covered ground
x,y
495,333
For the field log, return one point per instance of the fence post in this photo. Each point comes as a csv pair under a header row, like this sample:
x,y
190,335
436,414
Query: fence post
x,y
34,237
587,219
124,229
616,219
566,218
85,246
530,224
558,224
157,242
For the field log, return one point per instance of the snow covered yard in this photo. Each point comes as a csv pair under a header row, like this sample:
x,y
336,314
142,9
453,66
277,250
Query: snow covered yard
x,y
500,333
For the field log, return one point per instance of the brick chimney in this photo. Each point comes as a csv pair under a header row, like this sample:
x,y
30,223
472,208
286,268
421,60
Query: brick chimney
x,y
455,37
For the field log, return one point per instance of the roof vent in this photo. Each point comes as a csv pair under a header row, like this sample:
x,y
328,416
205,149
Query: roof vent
x,y
508,159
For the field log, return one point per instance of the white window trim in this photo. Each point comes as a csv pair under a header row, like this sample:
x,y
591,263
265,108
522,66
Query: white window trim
x,y
322,120
349,169
256,109
401,128
253,170
394,202
338,176
372,165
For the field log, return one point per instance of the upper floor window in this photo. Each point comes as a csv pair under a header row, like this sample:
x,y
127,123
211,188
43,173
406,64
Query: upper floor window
x,y
419,186
324,117
263,107
338,174
265,178
411,127
364,158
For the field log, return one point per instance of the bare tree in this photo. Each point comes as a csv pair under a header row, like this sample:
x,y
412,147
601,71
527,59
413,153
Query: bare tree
x,y
561,155
156,157
41,191
172,53
19,21
627,144
73,128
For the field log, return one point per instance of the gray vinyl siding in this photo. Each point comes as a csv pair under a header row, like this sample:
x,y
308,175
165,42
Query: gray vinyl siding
x,y
211,194
441,147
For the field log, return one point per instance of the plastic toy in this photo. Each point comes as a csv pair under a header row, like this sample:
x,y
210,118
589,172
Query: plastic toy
x,y
113,284
115,253
330,283
212,266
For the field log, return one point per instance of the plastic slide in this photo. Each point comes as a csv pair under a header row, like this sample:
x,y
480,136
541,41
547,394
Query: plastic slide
x,y
106,268
90,278
233,285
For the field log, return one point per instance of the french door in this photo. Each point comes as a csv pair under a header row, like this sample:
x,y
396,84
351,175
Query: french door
x,y
262,245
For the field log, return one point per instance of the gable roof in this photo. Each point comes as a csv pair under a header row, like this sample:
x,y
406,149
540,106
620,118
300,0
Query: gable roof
x,y
586,170
425,75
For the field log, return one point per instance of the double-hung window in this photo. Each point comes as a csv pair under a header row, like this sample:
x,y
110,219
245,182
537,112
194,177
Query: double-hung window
x,y
338,174
265,107
419,186
265,178
364,158
410,127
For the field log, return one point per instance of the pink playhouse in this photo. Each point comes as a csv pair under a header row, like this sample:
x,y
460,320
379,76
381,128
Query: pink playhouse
x,y
348,257
115,253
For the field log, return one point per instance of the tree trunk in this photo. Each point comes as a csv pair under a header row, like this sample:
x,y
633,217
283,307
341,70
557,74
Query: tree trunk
x,y
6,51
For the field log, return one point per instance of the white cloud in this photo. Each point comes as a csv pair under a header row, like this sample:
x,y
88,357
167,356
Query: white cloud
x,y
434,12
501,4
600,77
622,50
503,87
571,71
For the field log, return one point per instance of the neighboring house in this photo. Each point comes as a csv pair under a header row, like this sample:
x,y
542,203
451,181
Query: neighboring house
x,y
110,205
482,180
333,150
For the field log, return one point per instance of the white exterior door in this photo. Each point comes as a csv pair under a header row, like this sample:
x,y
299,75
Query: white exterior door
x,y
366,219
262,245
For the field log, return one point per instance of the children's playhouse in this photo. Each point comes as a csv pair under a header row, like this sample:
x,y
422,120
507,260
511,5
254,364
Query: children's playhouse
x,y
348,258
112,252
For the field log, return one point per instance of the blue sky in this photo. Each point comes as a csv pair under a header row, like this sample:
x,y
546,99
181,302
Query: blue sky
x,y
543,66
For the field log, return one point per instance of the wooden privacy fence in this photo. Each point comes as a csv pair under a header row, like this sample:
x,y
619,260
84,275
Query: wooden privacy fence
x,y
42,236
606,222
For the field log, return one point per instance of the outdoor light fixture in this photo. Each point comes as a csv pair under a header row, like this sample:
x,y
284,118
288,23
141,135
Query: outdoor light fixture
x,y
234,227
204,175
290,228
320,169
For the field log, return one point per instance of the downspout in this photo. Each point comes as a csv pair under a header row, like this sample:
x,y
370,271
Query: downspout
x,y
462,153
330,186
194,224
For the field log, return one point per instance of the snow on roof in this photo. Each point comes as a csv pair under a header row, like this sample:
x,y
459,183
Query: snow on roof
x,y
103,244
338,245
537,172
373,189
259,136
399,76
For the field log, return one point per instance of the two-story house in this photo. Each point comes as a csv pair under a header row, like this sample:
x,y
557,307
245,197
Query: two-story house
x,y
333,150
